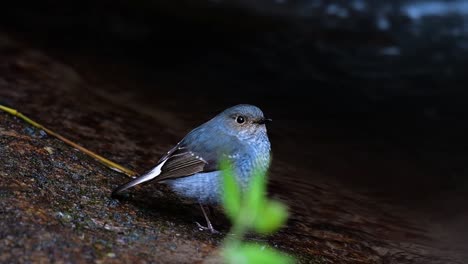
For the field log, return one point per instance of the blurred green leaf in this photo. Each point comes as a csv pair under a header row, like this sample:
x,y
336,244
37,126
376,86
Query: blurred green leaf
x,y
271,217
249,253
251,210
255,198
231,193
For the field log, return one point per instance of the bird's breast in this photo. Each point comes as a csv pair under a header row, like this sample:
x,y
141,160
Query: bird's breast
x,y
255,159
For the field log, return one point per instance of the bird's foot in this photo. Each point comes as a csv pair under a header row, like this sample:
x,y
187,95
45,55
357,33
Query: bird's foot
x,y
209,227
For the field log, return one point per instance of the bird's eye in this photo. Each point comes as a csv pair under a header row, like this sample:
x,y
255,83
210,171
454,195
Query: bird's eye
x,y
240,119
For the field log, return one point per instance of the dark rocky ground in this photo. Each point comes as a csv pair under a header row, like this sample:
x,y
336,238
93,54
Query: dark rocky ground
x,y
372,164
55,201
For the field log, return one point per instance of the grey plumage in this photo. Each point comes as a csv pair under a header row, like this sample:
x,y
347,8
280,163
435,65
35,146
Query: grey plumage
x,y
191,167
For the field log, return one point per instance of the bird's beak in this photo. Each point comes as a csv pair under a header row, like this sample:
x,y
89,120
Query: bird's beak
x,y
265,120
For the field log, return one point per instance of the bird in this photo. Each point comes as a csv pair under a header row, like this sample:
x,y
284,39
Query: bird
x,y
191,168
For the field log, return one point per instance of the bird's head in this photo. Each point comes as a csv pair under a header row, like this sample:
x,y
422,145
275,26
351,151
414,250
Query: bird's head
x,y
245,121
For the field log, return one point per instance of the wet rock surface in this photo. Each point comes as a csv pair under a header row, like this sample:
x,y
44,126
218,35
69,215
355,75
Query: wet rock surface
x,y
55,201
56,207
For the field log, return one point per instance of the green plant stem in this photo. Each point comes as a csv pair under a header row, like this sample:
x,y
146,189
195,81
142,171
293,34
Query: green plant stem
x,y
238,231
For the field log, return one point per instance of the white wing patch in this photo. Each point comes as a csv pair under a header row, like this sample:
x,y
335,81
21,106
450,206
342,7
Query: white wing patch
x,y
151,174
155,172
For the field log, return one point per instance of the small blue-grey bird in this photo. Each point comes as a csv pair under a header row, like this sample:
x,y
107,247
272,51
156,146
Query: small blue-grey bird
x,y
191,168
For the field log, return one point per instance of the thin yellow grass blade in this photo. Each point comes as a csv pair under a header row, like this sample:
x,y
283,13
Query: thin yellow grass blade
x,y
106,162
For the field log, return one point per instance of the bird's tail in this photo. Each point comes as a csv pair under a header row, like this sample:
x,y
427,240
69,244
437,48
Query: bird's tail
x,y
143,178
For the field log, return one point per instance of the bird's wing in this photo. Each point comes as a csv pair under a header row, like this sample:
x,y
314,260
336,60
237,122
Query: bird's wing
x,y
178,162
185,159
183,162
199,154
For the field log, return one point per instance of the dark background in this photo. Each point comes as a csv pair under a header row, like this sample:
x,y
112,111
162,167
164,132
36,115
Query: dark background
x,y
314,59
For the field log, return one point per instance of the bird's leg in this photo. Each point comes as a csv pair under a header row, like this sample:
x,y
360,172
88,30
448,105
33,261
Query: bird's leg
x,y
208,222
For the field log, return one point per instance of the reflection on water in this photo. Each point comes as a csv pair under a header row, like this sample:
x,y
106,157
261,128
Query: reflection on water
x,y
420,9
385,13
